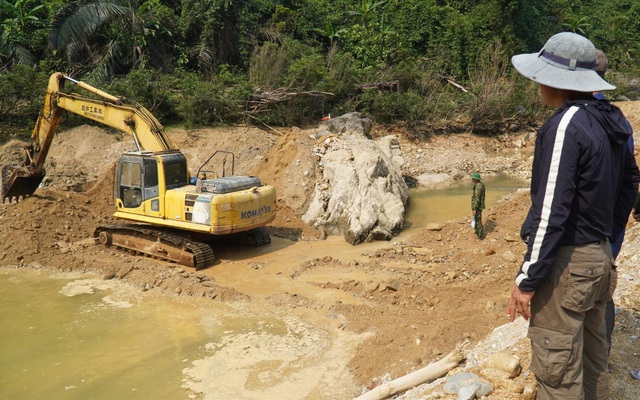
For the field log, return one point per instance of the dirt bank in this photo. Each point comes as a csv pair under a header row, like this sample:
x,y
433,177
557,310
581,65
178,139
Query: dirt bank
x,y
418,295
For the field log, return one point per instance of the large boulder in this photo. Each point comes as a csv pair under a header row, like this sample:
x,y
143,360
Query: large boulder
x,y
354,123
360,192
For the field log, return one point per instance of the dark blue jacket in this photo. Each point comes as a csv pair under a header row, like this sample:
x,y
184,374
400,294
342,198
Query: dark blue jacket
x,y
581,165
618,231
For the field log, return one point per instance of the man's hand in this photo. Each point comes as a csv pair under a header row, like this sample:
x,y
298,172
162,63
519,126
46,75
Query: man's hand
x,y
519,303
636,215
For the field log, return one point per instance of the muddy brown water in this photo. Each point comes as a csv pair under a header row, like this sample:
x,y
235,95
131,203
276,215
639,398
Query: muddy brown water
x,y
76,336
454,202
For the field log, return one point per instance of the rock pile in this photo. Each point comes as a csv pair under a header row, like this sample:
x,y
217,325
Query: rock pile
x,y
360,192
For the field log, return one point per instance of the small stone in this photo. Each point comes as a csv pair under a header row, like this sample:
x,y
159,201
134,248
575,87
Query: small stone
x,y
466,379
529,393
433,227
509,256
468,392
371,287
505,362
109,275
393,285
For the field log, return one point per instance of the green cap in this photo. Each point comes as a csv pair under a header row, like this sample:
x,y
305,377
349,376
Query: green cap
x,y
475,175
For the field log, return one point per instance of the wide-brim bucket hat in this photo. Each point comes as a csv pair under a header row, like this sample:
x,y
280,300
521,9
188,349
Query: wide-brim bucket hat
x,y
567,61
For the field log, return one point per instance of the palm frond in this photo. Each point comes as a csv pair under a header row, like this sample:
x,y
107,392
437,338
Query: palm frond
x,y
76,21
22,55
74,50
203,54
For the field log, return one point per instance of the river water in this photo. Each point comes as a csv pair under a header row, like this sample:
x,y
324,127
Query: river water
x,y
454,202
72,336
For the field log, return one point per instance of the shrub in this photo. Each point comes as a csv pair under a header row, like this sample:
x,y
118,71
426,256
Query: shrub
x,y
202,102
499,95
393,106
493,89
295,84
269,63
149,88
342,75
22,93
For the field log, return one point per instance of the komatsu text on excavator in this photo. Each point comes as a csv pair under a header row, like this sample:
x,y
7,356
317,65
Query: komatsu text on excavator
x,y
169,214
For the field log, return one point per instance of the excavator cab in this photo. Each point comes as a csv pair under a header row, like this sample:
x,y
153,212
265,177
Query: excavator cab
x,y
142,178
137,180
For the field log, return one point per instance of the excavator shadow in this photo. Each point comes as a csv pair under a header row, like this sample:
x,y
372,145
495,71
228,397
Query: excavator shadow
x,y
228,249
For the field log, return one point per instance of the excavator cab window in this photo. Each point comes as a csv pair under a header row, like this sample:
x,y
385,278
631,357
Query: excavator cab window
x,y
131,184
151,182
175,172
150,173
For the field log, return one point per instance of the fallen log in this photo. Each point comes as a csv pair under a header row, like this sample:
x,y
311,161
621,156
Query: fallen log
x,y
262,122
429,373
454,84
262,100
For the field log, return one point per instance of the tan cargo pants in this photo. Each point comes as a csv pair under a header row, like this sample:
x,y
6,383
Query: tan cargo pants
x,y
569,350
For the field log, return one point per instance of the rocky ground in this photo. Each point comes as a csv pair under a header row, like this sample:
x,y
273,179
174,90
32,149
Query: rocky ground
x,y
418,296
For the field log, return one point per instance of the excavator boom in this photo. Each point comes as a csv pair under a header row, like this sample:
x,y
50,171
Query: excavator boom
x,y
21,180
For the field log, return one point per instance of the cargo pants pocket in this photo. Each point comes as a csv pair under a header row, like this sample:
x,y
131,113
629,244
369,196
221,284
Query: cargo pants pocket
x,y
582,287
550,354
613,283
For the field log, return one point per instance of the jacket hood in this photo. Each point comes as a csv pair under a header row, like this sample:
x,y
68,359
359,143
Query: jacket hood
x,y
609,117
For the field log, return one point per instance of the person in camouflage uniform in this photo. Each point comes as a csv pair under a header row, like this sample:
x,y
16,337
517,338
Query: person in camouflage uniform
x,y
477,204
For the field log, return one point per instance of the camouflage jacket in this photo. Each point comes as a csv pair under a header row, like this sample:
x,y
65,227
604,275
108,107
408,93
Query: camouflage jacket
x,y
477,200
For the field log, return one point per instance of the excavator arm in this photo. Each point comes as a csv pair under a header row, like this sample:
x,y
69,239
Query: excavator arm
x,y
21,180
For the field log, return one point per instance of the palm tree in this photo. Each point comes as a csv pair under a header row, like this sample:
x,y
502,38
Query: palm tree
x,y
75,34
366,9
330,32
107,36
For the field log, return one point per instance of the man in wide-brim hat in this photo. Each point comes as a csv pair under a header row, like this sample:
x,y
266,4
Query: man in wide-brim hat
x,y
581,163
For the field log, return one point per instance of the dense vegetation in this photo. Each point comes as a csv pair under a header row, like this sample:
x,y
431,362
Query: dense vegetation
x,y
204,62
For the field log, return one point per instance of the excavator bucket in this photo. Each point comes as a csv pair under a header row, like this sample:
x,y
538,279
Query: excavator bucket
x,y
18,182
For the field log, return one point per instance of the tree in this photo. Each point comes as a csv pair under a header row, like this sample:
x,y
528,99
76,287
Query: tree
x,y
114,36
218,32
20,21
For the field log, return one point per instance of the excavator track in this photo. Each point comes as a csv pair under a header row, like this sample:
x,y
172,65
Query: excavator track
x,y
257,237
156,243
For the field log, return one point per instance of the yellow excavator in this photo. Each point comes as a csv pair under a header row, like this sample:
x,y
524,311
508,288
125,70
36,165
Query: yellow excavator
x,y
169,214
